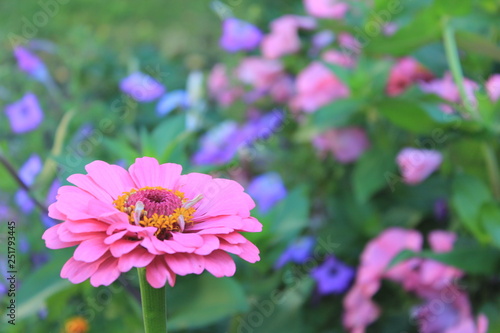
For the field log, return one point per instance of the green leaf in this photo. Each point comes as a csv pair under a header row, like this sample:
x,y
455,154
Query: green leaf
x,y
210,300
167,134
40,285
475,43
421,31
407,114
336,114
281,311
369,173
468,195
290,216
490,219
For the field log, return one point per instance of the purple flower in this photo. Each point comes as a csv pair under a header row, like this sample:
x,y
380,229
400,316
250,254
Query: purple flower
x,y
28,173
38,259
267,189
297,252
218,145
171,101
31,64
142,87
441,209
333,276
24,115
238,35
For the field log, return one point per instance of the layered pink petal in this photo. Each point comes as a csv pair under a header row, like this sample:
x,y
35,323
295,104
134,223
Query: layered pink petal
x,y
139,257
90,250
183,264
52,240
112,178
147,172
106,274
157,273
220,264
77,271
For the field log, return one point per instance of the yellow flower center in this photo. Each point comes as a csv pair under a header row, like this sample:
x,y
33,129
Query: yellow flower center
x,y
164,209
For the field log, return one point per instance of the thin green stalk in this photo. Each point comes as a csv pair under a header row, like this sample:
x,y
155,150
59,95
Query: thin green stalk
x,y
451,49
154,305
50,167
492,166
12,171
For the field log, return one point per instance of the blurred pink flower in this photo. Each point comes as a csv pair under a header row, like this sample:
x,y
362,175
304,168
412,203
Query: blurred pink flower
x,y
283,38
346,144
316,86
359,309
448,311
220,88
417,164
349,43
326,8
493,87
150,216
390,28
404,73
339,58
282,89
454,314
259,72
446,89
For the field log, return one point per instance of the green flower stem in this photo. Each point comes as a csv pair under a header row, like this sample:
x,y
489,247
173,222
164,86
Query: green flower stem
x,y
450,46
492,166
451,49
50,167
12,171
154,305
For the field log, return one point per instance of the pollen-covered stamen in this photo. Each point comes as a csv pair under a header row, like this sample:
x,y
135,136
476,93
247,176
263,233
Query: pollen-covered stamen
x,y
192,202
139,208
164,209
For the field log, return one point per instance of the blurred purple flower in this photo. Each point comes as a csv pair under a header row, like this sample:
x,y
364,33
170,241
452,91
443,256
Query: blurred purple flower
x,y
28,173
238,35
333,276
322,39
38,259
24,244
262,127
30,169
297,252
142,87
218,145
24,115
441,209
31,64
171,101
50,199
267,189
52,192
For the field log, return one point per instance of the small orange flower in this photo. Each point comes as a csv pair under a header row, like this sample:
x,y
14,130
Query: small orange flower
x,y
76,324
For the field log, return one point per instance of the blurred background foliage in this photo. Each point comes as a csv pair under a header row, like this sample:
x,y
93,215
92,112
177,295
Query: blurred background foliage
x,y
89,46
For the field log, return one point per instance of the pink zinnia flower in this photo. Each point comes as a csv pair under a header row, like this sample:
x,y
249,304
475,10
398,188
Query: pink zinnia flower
x,y
346,144
284,38
493,87
326,8
447,89
316,86
220,87
417,164
150,216
339,58
261,73
404,73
